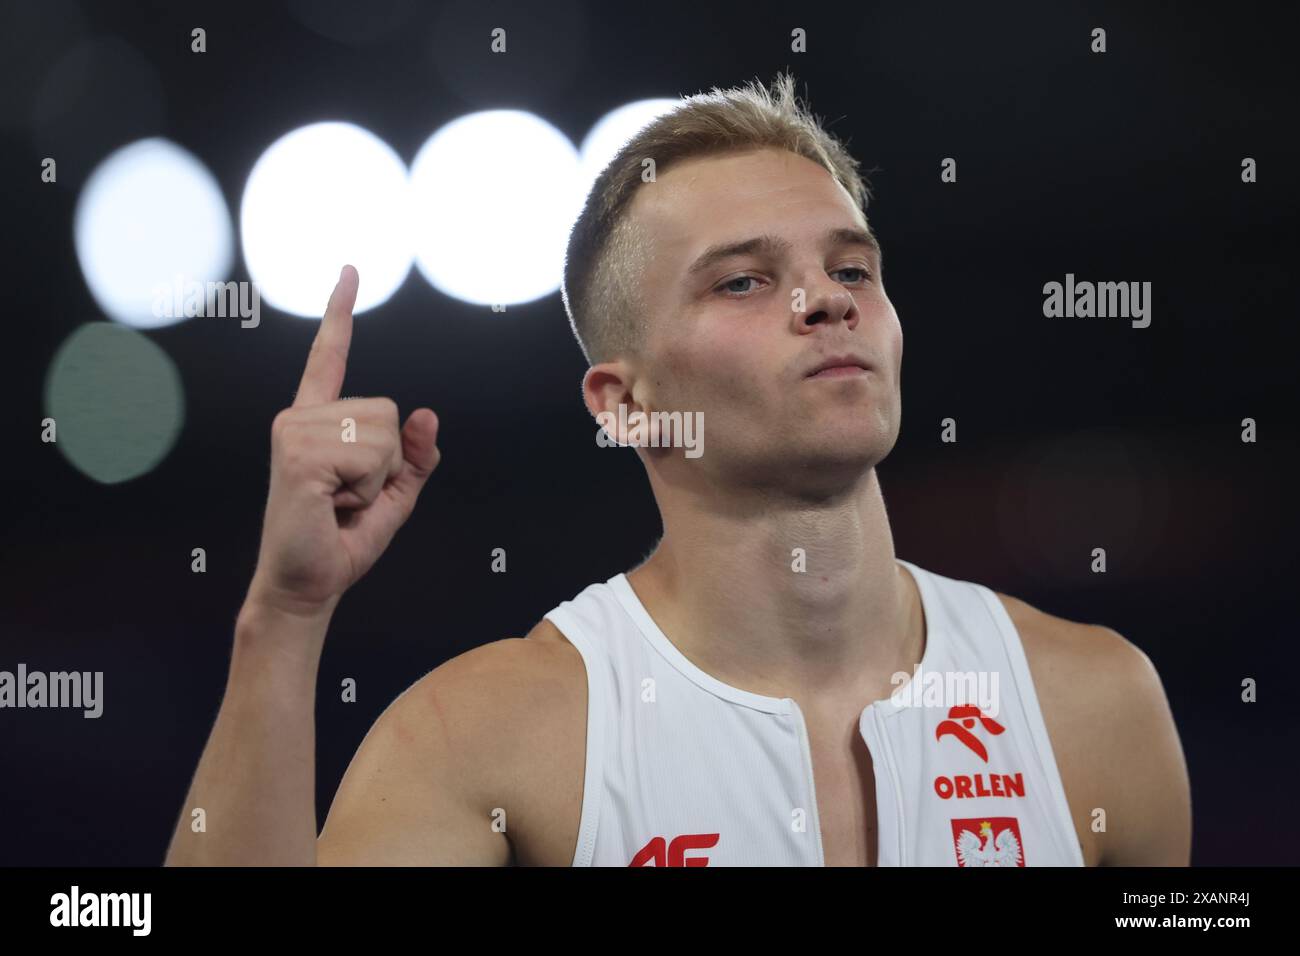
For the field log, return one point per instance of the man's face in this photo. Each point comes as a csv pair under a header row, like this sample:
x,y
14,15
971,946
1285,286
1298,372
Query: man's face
x,y
726,336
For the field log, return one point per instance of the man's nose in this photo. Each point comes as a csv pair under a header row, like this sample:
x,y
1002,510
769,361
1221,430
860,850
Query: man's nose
x,y
827,301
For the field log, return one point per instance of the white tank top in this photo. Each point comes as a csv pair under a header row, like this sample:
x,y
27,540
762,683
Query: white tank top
x,y
684,770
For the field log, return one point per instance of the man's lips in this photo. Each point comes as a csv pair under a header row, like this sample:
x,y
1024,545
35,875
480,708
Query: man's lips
x,y
839,371
837,366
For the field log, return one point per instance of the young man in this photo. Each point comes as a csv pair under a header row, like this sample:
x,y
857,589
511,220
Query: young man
x,y
732,700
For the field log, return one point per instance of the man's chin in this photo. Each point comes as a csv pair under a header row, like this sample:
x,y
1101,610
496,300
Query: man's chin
x,y
842,446
836,464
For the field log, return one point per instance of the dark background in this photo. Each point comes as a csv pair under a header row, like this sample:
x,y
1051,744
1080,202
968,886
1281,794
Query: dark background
x,y
1073,433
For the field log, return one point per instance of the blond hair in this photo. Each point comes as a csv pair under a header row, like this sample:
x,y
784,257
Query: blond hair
x,y
602,290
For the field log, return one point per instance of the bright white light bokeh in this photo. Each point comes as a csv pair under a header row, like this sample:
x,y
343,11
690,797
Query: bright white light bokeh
x,y
495,194
612,131
149,212
321,197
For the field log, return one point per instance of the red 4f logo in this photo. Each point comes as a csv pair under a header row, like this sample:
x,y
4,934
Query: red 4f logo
x,y
661,853
968,714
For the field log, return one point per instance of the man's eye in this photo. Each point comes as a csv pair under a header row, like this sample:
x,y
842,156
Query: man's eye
x,y
726,286
735,293
727,289
866,274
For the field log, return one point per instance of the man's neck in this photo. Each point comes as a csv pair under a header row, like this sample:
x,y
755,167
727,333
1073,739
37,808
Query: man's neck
x,y
724,586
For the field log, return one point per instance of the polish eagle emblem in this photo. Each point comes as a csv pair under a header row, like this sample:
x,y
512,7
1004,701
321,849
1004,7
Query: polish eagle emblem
x,y
988,847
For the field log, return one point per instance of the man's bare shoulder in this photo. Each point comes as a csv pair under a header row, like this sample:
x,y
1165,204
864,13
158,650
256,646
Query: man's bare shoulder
x,y
1089,668
526,674
1112,732
1062,647
527,699
479,760
507,700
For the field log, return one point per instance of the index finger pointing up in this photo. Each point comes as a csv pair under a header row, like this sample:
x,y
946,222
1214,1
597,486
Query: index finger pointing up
x,y
327,362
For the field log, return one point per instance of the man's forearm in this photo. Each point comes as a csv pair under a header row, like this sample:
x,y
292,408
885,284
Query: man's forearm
x,y
256,780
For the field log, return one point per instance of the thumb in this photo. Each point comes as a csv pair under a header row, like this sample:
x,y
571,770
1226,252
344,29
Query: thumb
x,y
396,500
420,456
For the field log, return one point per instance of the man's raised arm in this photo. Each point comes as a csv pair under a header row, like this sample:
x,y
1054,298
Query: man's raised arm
x,y
344,477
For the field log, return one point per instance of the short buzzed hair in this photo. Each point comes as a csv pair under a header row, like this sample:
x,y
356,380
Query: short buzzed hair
x,y
603,263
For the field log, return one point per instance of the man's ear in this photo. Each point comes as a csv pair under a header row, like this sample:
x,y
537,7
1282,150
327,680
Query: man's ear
x,y
604,388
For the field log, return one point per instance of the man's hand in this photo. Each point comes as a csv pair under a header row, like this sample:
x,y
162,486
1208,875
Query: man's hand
x,y
338,494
